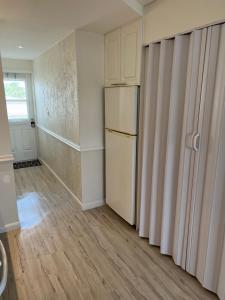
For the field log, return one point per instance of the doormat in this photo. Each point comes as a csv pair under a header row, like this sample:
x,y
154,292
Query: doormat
x,y
27,164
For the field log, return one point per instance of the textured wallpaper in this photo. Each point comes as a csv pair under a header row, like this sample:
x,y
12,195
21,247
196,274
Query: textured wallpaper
x,y
64,160
55,77
55,80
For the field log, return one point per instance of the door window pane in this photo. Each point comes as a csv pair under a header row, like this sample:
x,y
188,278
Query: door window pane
x,y
15,89
16,99
17,110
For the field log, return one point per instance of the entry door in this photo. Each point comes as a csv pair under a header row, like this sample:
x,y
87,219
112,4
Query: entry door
x,y
23,141
19,100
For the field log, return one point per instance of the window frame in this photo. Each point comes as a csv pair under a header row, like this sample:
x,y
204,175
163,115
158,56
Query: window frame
x,y
25,78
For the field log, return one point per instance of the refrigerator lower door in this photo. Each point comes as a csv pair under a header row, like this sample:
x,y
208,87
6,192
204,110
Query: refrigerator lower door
x,y
121,174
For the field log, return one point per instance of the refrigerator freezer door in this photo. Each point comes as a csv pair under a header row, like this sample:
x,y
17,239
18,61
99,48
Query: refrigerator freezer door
x,y
121,109
120,174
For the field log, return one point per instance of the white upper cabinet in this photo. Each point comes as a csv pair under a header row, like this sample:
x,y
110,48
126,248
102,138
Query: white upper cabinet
x,y
113,57
123,55
131,53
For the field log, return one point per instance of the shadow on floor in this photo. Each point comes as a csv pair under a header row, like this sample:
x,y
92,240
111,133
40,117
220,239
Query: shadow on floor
x,y
10,291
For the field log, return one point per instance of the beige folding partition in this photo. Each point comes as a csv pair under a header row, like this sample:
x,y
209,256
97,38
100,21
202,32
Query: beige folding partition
x,y
181,175
210,263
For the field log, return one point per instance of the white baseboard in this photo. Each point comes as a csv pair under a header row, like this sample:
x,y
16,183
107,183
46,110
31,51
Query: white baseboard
x,y
9,227
94,204
83,206
60,180
6,158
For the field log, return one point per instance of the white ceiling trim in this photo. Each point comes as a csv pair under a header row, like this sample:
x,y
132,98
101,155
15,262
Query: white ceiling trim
x,y
136,6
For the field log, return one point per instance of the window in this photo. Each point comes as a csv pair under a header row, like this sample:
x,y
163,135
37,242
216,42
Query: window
x,y
16,98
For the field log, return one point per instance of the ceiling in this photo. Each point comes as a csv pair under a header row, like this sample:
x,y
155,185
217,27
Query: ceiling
x,y
39,24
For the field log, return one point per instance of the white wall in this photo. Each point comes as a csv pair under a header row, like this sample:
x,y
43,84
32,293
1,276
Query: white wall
x,y
93,192
164,18
17,65
8,207
90,63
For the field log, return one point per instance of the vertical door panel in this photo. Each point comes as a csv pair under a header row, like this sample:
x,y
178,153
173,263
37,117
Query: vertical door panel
x,y
187,154
173,144
27,139
146,138
29,143
212,227
159,152
204,124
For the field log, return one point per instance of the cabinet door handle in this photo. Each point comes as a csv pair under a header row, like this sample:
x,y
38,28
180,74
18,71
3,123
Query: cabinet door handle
x,y
4,265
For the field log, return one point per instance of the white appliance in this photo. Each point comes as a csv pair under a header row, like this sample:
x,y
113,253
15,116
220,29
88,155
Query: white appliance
x,y
121,107
4,267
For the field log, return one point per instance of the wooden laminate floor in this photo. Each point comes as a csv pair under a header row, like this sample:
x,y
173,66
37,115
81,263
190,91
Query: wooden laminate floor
x,y
64,253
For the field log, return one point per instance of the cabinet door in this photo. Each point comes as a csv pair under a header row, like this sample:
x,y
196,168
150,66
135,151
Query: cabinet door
x,y
113,57
131,53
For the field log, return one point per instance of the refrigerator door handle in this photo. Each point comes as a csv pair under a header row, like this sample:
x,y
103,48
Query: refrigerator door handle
x,y
120,133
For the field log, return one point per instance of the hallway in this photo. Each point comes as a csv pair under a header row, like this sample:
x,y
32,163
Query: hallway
x,y
64,253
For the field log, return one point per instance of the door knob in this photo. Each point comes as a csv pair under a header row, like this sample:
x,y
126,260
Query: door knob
x,y
32,123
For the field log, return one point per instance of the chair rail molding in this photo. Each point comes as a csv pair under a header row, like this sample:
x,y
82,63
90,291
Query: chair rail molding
x,y
68,142
59,137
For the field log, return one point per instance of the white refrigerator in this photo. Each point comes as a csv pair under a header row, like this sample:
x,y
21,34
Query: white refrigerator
x,y
121,109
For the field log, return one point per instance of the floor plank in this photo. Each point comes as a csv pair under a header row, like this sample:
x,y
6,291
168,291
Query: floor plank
x,y
61,252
